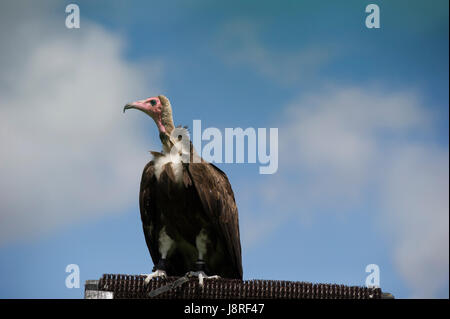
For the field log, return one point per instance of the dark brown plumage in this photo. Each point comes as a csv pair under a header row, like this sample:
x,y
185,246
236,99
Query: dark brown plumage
x,y
204,200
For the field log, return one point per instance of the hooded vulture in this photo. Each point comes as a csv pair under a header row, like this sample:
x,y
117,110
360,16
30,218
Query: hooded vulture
x,y
188,211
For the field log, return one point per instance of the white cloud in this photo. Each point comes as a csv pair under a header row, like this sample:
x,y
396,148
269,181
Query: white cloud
x,y
344,146
416,214
239,44
68,152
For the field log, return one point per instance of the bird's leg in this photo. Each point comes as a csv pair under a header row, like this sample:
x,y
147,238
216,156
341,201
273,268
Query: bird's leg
x,y
159,271
201,241
165,243
200,265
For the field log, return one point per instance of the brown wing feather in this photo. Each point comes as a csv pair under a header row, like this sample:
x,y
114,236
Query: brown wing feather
x,y
147,205
218,201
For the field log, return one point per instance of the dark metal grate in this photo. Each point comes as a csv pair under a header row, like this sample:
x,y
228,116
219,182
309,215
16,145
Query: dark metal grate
x,y
131,286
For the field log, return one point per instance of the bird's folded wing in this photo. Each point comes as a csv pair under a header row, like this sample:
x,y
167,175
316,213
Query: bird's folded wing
x,y
218,201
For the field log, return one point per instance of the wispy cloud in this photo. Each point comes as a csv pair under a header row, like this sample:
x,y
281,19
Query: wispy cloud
x,y
68,153
239,43
416,216
344,147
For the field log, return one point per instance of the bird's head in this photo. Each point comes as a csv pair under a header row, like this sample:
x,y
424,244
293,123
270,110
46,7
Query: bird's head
x,y
158,108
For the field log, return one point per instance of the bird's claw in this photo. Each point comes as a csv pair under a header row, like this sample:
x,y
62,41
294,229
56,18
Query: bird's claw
x,y
201,276
156,274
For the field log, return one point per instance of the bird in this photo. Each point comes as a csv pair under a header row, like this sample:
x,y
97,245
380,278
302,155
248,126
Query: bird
x,y
188,209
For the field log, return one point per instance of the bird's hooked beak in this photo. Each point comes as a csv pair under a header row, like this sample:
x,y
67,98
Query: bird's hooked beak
x,y
127,106
138,105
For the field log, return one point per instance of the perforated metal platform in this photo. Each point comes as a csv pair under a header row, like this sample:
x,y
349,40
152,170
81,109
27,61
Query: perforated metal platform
x,y
132,287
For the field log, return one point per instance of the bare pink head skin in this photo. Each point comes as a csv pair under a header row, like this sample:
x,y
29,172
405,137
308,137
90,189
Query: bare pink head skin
x,y
158,108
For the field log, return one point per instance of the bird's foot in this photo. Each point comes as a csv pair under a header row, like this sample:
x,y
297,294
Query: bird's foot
x,y
201,276
156,274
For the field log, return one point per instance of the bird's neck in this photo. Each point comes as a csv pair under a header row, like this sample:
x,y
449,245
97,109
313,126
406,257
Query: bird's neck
x,y
165,127
166,142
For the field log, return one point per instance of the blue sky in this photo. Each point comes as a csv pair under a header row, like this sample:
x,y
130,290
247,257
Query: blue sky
x,y
363,136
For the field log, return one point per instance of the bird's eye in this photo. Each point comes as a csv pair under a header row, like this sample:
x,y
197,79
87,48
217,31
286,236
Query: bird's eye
x,y
153,102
